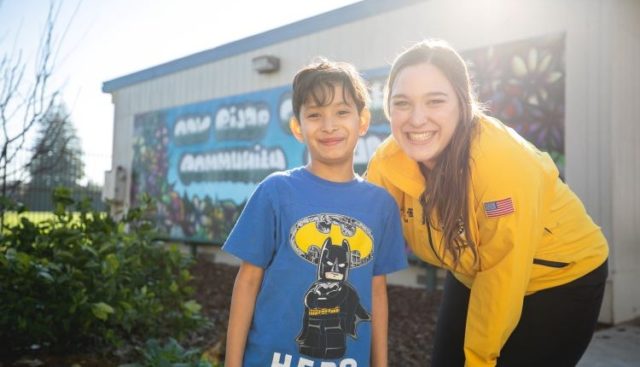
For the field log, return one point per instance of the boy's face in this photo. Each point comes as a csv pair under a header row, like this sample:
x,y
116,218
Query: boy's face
x,y
331,131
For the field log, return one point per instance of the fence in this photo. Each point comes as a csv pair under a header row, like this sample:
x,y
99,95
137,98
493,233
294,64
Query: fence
x,y
34,188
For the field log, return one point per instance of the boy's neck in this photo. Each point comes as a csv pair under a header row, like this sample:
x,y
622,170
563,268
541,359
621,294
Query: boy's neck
x,y
338,173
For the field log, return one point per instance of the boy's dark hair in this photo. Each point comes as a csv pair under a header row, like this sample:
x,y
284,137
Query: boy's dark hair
x,y
316,81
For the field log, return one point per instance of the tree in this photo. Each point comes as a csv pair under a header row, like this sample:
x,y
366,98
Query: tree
x,y
24,99
56,159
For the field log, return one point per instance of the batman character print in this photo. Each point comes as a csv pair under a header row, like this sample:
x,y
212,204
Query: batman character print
x,y
335,244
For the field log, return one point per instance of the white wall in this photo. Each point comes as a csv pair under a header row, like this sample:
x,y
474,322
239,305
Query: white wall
x,y
602,139
624,126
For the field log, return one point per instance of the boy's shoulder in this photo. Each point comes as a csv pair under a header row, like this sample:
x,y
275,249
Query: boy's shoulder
x,y
279,177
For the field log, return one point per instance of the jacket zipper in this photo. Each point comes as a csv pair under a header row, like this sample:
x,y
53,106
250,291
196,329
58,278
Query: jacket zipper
x,y
549,263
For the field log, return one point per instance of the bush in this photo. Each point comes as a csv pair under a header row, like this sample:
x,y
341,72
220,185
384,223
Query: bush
x,y
69,284
171,354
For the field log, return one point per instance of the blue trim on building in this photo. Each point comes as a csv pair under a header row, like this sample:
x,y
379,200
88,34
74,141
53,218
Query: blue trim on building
x,y
377,72
340,16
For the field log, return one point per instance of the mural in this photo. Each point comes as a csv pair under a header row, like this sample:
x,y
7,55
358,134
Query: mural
x,y
200,162
523,84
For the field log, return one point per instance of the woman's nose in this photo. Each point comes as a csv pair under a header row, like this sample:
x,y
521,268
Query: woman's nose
x,y
419,117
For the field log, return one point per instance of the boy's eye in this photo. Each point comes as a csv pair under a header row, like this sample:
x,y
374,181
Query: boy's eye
x,y
329,263
313,115
342,265
344,112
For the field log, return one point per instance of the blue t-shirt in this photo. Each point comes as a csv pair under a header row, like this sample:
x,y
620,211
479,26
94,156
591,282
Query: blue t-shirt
x,y
320,243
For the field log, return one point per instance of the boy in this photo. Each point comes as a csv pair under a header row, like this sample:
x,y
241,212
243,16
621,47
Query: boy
x,y
316,242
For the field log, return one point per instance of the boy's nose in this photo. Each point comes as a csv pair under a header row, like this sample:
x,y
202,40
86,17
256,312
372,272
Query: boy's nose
x,y
328,124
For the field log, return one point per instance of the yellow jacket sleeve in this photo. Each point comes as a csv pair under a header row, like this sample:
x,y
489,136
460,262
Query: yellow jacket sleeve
x,y
375,176
506,246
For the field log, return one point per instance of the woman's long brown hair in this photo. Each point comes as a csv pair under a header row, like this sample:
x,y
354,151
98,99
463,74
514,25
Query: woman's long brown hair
x,y
446,192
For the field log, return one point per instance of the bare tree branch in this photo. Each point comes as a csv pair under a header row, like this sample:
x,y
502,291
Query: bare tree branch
x,y
25,101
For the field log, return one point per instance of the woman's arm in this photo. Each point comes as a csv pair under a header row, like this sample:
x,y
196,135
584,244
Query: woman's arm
x,y
379,322
509,186
243,300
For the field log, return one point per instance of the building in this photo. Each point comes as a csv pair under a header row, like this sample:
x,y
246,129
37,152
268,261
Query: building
x,y
197,133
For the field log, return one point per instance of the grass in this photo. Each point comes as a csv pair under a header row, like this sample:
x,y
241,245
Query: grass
x,y
13,218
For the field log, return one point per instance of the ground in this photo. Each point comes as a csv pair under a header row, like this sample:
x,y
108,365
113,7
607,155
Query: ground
x,y
412,314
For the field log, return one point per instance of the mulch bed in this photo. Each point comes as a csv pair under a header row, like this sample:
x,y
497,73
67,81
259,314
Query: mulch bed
x,y
412,314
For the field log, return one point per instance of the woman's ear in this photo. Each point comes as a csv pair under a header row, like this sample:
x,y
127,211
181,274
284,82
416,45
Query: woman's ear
x,y
294,125
365,119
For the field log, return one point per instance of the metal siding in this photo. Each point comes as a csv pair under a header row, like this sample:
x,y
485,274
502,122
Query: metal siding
x,y
587,119
587,111
626,157
122,136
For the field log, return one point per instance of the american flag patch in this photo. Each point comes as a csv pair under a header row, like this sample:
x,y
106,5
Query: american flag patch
x,y
499,208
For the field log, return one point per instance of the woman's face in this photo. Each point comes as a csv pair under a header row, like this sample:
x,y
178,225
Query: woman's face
x,y
424,111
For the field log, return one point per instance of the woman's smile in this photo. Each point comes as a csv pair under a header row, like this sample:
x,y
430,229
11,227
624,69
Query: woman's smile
x,y
420,137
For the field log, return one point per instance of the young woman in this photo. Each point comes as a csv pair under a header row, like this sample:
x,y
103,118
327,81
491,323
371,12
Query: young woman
x,y
527,265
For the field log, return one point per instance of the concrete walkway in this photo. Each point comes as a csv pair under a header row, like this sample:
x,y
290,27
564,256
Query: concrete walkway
x,y
618,346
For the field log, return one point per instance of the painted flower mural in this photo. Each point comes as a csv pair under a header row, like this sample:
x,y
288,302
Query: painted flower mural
x,y
523,84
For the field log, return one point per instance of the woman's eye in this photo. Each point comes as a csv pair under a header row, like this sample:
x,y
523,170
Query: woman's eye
x,y
435,101
313,115
344,112
400,104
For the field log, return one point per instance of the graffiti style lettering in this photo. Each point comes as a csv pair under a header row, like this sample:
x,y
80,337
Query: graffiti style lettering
x,y
285,111
191,129
242,122
377,102
377,94
278,361
364,150
236,165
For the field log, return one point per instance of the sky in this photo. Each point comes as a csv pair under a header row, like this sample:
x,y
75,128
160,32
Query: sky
x,y
101,40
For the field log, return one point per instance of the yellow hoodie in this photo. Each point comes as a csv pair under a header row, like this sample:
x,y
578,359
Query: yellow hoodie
x,y
532,232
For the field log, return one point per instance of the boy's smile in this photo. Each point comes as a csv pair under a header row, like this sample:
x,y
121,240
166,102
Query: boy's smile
x,y
331,133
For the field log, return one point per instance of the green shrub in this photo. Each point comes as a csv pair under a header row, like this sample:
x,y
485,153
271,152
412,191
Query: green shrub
x,y
171,354
69,284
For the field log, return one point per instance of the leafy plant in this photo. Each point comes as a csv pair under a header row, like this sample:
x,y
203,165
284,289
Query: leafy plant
x,y
171,354
89,281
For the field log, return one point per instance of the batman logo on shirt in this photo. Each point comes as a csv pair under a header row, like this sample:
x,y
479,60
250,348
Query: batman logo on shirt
x,y
308,235
332,309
